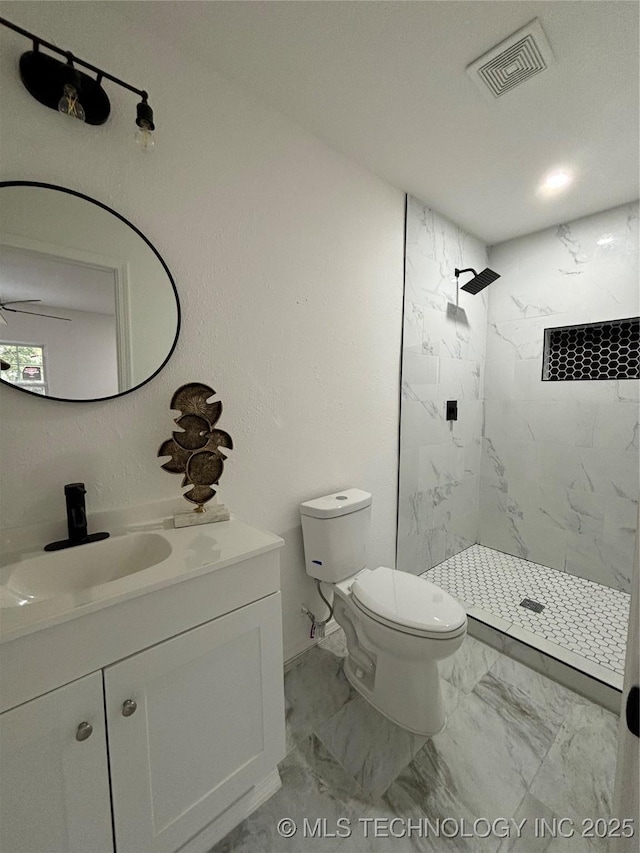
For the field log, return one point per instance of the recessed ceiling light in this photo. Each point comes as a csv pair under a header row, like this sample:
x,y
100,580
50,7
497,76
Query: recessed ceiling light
x,y
555,181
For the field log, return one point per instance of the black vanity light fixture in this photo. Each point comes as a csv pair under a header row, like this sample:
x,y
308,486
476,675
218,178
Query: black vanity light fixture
x,y
61,86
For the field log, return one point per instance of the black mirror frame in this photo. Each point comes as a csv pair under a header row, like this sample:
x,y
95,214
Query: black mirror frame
x,y
155,252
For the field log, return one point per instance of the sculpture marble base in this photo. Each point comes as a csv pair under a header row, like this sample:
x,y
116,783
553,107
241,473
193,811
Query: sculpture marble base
x,y
217,512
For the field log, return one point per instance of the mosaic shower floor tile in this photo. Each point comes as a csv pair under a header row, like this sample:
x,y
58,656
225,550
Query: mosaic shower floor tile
x,y
579,615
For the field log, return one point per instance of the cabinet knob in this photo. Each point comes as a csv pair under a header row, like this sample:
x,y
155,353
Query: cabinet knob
x,y
129,707
84,731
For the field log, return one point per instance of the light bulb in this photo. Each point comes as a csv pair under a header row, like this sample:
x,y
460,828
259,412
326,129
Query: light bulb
x,y
69,104
144,137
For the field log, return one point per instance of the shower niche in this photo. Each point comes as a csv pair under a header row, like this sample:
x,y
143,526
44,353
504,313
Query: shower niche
x,y
604,350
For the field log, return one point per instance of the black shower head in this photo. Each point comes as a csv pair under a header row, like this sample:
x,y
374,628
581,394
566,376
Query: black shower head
x,y
479,281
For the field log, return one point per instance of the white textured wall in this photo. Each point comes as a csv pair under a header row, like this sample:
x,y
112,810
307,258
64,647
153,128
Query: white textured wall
x,y
442,359
288,261
560,472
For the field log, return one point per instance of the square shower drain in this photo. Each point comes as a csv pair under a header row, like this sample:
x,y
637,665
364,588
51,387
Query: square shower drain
x,y
532,605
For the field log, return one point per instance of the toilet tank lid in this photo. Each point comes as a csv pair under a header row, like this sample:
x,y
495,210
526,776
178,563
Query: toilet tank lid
x,y
338,503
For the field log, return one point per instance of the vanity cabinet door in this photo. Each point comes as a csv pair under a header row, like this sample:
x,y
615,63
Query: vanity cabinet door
x,y
193,724
54,781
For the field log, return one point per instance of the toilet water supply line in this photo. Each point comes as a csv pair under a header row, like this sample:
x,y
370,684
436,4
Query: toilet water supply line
x,y
317,628
364,663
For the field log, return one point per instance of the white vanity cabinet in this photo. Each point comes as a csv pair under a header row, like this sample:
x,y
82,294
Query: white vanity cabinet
x,y
193,724
54,780
169,725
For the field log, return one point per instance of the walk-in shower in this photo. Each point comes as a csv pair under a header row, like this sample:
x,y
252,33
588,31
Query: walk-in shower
x,y
525,507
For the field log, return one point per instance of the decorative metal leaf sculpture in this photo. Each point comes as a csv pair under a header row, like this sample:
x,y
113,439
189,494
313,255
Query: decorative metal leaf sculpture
x,y
196,450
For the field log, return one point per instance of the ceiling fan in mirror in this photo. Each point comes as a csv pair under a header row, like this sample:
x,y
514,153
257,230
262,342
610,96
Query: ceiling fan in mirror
x,y
5,306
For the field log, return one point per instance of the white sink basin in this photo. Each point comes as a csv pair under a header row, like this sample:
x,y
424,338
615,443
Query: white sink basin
x,y
77,569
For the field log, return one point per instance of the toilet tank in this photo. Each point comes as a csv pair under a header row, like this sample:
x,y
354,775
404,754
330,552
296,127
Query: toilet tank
x,y
335,531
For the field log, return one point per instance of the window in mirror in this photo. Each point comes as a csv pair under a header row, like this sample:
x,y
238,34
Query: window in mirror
x,y
26,366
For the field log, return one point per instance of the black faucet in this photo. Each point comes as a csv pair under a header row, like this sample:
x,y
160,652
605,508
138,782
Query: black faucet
x,y
76,520
76,512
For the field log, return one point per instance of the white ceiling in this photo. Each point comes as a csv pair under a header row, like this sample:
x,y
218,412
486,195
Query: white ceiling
x,y
385,83
54,282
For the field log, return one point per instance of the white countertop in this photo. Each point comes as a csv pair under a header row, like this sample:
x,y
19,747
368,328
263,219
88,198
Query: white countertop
x,y
195,551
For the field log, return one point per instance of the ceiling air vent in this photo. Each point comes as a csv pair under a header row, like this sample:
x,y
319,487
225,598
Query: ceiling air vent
x,y
515,60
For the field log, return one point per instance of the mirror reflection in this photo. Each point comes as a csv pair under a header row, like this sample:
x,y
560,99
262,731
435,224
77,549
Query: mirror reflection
x,y
88,309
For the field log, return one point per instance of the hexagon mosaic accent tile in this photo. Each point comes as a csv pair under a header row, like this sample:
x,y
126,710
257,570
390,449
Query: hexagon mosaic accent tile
x,y
593,351
580,615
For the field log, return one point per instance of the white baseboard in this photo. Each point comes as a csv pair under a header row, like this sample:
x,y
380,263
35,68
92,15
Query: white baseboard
x,y
332,627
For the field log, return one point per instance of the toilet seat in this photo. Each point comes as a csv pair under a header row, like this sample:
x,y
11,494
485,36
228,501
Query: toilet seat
x,y
408,603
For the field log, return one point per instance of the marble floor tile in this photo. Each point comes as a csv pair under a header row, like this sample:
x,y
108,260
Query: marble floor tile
x,y
519,713
481,765
313,787
372,748
525,716
412,833
368,745
551,700
428,788
336,643
374,833
576,777
538,837
451,697
515,745
315,688
467,666
332,776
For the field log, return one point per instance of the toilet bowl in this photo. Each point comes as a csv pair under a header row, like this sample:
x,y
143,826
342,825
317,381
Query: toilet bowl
x,y
397,625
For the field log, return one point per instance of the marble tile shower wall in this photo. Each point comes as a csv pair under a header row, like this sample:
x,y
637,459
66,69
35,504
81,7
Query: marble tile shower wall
x,y
559,474
442,359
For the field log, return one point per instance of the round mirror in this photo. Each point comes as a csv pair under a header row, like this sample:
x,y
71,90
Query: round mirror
x,y
88,308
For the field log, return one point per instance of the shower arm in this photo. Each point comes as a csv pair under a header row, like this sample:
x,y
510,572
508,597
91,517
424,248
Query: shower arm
x,y
457,272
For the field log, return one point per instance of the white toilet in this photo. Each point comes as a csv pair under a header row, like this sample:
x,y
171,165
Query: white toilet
x,y
397,625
